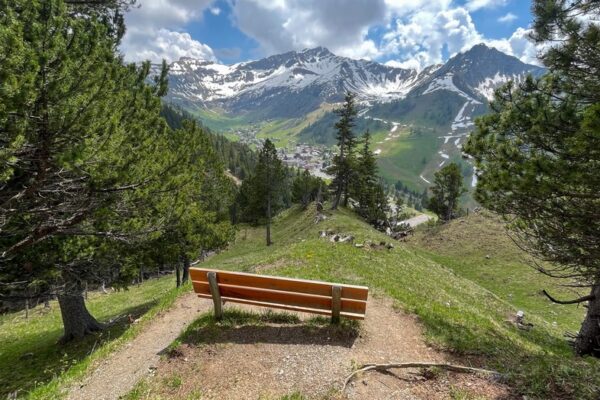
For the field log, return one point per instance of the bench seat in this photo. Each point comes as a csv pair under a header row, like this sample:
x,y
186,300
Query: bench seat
x,y
316,297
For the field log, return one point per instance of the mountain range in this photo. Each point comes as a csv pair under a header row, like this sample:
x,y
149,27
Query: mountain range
x,y
313,76
290,96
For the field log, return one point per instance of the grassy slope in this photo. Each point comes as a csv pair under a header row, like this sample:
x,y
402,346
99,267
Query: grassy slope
x,y
402,158
458,314
30,358
478,248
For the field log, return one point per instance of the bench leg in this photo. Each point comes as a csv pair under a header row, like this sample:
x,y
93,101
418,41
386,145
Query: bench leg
x,y
214,291
336,304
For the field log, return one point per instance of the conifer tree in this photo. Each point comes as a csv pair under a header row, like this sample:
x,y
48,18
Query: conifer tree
x,y
88,167
366,188
262,195
538,154
446,191
342,167
305,188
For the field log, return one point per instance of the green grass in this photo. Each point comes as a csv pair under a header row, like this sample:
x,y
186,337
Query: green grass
x,y
281,132
459,315
219,121
33,363
402,157
478,247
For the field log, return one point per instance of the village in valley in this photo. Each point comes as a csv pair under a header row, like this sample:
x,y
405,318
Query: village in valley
x,y
312,157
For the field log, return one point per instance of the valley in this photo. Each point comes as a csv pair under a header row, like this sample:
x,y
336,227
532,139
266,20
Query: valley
x,y
419,119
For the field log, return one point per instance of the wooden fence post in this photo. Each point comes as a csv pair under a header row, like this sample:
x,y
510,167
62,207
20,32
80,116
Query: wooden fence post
x,y
336,304
216,296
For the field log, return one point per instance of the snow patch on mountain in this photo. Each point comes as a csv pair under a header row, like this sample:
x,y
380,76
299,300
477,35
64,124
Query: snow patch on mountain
x,y
446,83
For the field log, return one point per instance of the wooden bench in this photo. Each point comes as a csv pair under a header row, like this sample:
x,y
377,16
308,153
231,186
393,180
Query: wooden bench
x,y
314,297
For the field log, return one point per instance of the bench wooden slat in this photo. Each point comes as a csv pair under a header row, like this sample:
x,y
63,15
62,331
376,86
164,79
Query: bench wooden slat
x,y
282,297
286,307
277,283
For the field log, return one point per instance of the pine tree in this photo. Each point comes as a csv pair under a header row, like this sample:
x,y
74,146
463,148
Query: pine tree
x,y
342,167
538,153
305,188
366,188
88,167
446,191
262,195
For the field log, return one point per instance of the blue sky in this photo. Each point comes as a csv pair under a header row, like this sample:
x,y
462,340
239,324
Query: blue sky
x,y
408,33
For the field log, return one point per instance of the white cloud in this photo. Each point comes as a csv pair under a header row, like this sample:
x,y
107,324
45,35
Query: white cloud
x,y
507,18
283,25
426,32
426,35
414,33
165,44
412,63
474,5
518,45
155,31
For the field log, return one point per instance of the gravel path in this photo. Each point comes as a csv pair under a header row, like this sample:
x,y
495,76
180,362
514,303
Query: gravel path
x,y
118,373
418,220
268,361
272,360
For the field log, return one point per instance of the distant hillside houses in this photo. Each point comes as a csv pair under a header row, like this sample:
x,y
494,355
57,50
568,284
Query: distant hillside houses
x,y
310,157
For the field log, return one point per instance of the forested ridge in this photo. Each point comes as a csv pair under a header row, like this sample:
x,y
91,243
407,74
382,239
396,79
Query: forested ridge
x,y
239,158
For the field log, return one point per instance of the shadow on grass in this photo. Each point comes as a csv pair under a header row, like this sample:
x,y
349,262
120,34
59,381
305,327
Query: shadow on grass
x,y
244,327
48,359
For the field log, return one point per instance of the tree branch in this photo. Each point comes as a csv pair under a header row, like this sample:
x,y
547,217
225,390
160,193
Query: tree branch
x,y
589,297
385,367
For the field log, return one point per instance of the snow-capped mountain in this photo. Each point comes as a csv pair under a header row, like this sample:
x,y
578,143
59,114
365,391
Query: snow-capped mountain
x,y
450,98
477,72
295,83
440,100
288,84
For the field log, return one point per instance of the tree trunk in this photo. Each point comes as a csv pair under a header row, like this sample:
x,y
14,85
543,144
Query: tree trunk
x,y
186,268
77,320
346,193
588,339
269,221
178,274
141,278
336,199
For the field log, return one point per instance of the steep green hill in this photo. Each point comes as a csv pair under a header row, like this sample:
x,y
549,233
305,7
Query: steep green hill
x,y
479,248
459,314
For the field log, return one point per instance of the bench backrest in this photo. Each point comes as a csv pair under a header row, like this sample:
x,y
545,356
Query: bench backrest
x,y
284,293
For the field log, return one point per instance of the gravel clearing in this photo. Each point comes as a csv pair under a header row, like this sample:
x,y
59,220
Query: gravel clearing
x,y
268,361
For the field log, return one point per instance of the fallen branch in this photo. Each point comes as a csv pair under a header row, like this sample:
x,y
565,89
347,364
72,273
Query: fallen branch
x,y
448,367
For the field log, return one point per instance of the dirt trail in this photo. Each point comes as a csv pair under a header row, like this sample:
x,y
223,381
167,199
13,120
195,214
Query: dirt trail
x,y
119,372
418,220
268,361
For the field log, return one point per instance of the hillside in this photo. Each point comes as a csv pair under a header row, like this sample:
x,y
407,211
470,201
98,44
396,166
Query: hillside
x,y
464,303
459,315
479,248
30,359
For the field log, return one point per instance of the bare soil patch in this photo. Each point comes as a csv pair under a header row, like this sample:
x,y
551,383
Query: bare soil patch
x,y
270,360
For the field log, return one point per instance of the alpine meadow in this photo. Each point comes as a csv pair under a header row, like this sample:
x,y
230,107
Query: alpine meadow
x,y
341,199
